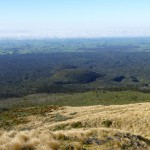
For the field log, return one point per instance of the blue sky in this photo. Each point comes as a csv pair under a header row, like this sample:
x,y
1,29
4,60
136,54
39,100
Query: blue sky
x,y
75,17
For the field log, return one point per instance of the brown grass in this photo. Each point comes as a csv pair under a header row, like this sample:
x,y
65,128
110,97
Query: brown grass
x,y
90,128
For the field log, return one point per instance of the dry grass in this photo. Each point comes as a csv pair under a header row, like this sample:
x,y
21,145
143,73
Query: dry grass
x,y
98,138
82,128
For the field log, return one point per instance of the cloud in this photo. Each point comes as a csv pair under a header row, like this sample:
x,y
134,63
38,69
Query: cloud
x,y
75,33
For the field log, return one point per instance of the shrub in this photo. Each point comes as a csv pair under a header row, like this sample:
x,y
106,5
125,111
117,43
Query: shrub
x,y
59,117
107,123
77,125
60,127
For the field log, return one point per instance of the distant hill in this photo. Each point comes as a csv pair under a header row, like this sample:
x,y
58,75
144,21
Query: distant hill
x,y
68,76
62,67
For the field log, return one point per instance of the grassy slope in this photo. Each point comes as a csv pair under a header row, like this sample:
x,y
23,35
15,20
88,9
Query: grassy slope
x,y
78,99
107,124
80,128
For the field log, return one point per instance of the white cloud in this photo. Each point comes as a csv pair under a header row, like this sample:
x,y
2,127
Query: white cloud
x,y
75,33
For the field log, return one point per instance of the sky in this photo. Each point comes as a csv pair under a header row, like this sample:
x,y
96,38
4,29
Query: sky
x,y
74,18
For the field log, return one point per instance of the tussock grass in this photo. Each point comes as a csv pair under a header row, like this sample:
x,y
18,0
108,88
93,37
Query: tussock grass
x,y
91,128
72,139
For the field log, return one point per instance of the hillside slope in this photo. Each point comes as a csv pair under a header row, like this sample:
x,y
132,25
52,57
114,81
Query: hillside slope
x,y
77,128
